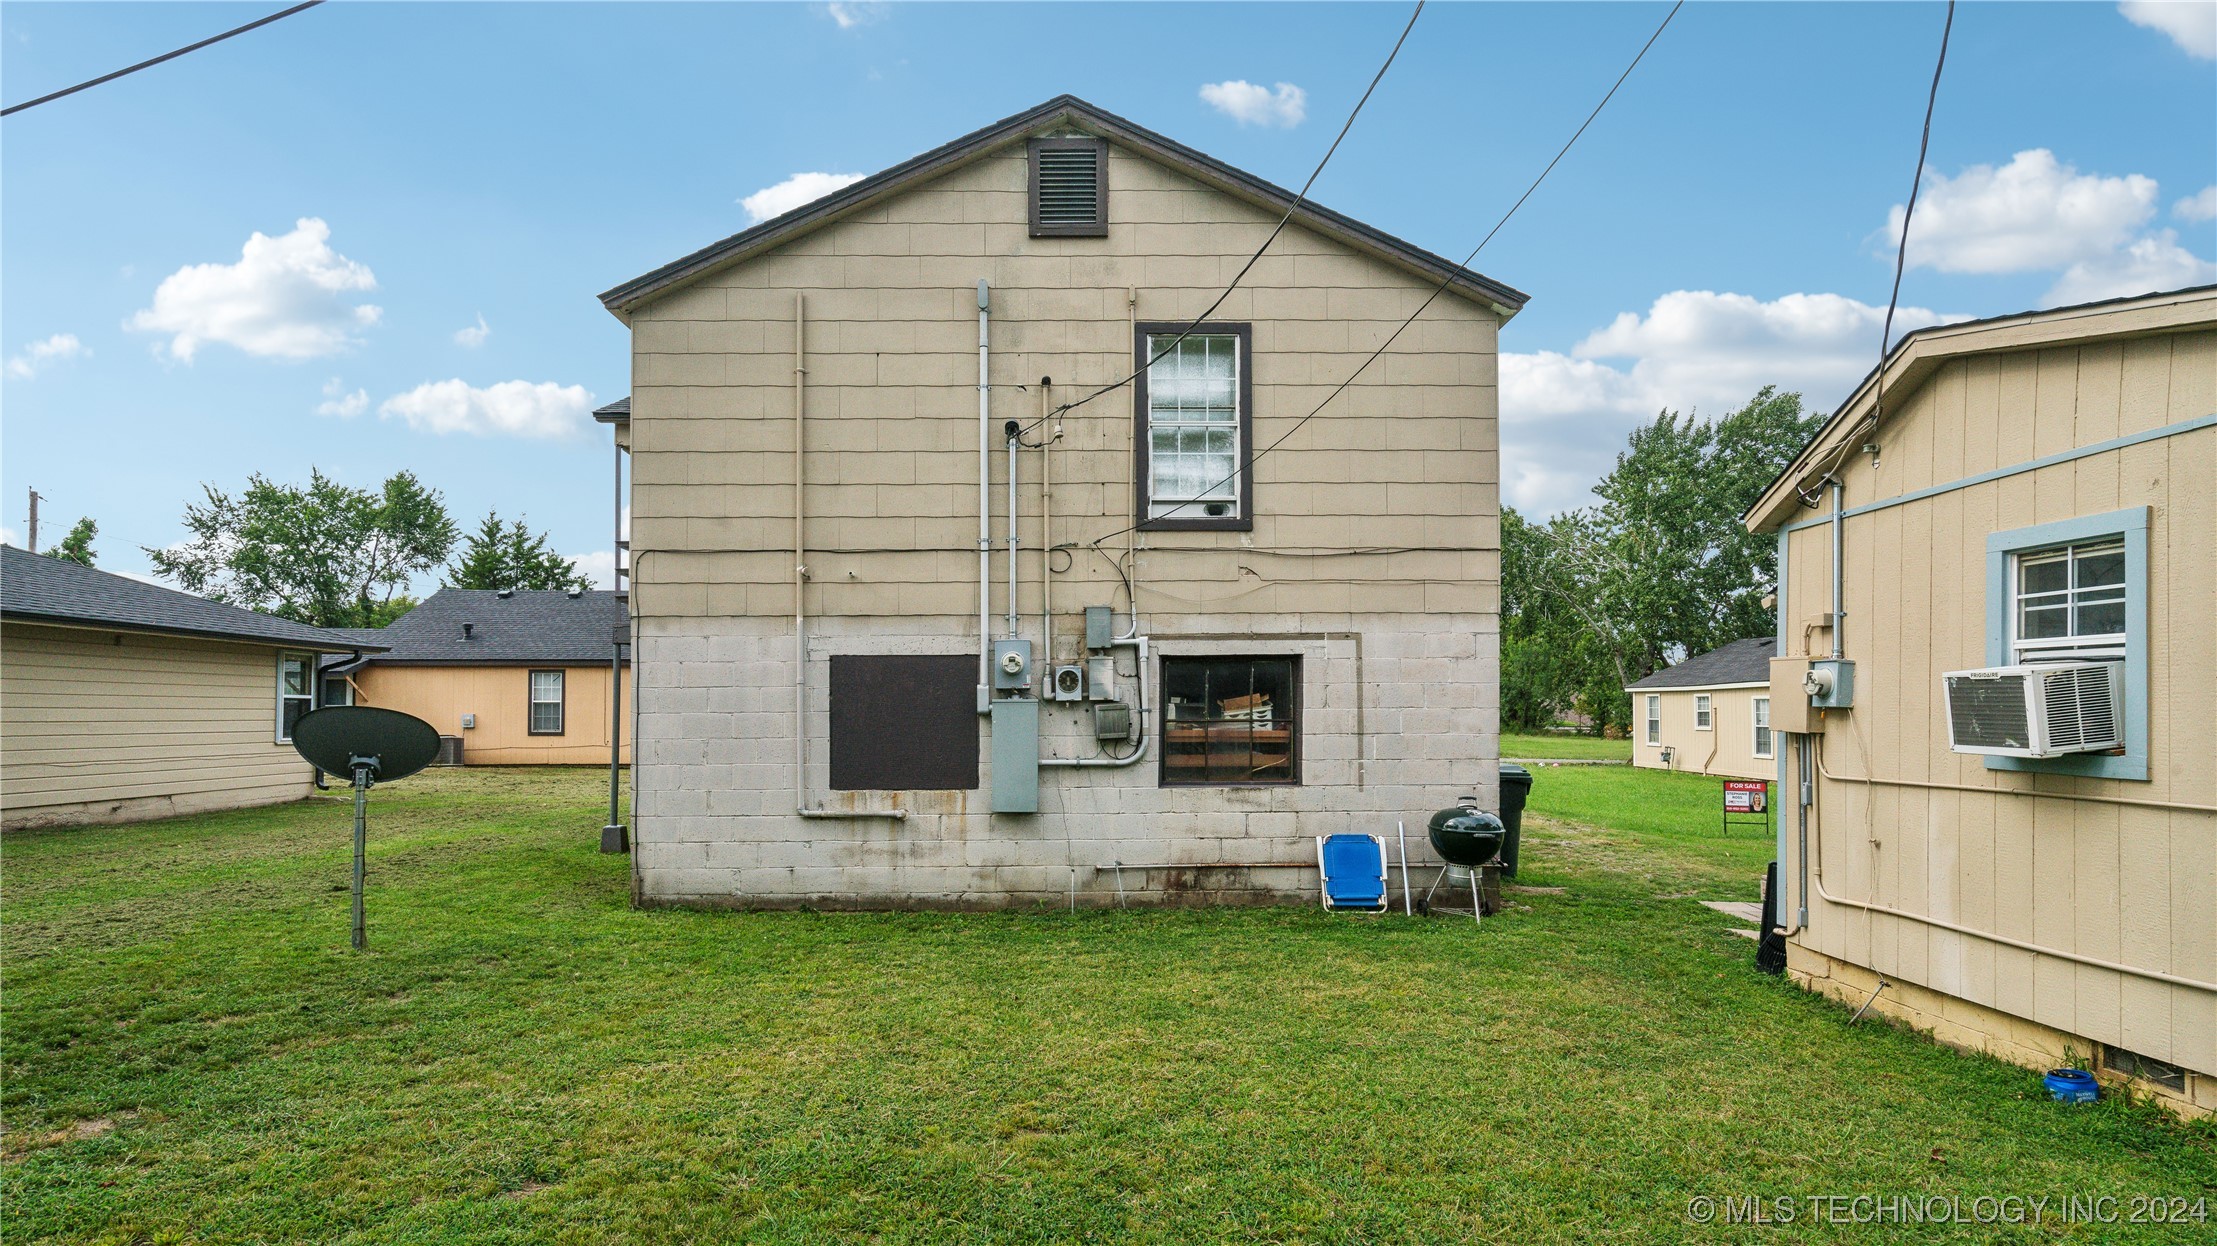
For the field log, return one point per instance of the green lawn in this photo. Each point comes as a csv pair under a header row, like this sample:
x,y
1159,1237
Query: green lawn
x,y
1566,747
193,1055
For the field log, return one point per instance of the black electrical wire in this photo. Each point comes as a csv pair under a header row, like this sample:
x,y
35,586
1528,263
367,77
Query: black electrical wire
x,y
1437,290
1252,260
166,56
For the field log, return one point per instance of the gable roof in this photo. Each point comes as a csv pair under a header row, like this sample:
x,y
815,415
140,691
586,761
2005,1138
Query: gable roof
x,y
616,412
1741,662
527,627
36,588
1062,110
1918,355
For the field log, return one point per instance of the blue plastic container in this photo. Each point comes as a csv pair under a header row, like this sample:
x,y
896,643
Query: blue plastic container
x,y
2072,1085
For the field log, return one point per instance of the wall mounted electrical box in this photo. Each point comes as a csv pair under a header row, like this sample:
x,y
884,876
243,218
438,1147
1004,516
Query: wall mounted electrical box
x,y
1015,755
1830,683
1012,665
1790,711
1100,678
1100,627
469,721
1112,720
1068,684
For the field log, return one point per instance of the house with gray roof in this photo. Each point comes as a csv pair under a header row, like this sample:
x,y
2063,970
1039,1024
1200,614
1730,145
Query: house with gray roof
x,y
519,677
122,700
1710,714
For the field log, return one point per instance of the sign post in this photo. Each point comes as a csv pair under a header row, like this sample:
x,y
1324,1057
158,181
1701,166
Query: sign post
x,y
1747,799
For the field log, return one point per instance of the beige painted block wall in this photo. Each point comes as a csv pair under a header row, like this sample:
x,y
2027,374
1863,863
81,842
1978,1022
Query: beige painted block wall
x,y
498,695
1726,749
2128,884
102,726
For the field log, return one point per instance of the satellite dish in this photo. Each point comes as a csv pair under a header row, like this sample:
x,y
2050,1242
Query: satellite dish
x,y
395,745
373,745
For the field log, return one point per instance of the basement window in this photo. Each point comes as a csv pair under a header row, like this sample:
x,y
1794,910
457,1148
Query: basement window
x,y
1069,187
1194,400
546,702
1231,721
2133,1064
904,722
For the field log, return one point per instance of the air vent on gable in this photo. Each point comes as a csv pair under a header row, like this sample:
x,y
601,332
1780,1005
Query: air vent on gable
x,y
1069,187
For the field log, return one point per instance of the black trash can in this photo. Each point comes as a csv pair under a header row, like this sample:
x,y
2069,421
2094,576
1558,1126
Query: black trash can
x,y
1516,783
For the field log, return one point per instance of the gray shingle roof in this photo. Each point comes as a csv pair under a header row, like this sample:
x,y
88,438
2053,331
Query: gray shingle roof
x,y
615,412
1741,662
34,587
528,627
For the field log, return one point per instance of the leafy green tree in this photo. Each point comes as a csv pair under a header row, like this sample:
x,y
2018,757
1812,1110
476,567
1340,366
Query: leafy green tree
x,y
77,546
1660,567
511,555
327,554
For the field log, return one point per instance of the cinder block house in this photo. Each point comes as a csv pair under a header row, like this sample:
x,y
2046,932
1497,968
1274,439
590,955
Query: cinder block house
x,y
1997,621
1710,714
932,609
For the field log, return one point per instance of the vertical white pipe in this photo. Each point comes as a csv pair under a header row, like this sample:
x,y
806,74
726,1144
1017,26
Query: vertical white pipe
x,y
1046,523
1839,611
1012,534
985,508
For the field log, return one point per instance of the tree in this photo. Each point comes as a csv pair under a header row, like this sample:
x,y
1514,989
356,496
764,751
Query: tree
x,y
511,556
77,546
1661,567
328,555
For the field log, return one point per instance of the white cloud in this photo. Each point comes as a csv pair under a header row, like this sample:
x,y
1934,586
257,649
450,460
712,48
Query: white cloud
x,y
2192,24
848,14
1565,416
2155,262
473,336
1251,104
598,567
2033,213
340,404
9,536
286,298
2197,207
512,408
34,358
793,192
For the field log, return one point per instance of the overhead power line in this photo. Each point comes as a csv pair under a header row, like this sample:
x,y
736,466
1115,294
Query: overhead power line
x,y
166,56
1291,208
1249,463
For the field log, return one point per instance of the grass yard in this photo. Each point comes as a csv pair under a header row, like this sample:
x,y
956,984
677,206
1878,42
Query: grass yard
x,y
192,1054
1566,747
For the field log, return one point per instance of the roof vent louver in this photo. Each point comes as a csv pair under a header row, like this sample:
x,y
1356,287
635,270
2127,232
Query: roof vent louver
x,y
2048,710
1069,187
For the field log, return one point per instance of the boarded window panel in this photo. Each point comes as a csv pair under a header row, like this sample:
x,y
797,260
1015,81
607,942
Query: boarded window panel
x,y
904,722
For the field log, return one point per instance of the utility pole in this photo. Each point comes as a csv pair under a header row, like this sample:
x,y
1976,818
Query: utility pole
x,y
34,520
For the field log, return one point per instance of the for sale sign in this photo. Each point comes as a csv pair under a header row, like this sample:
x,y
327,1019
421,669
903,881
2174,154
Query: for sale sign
x,y
1746,795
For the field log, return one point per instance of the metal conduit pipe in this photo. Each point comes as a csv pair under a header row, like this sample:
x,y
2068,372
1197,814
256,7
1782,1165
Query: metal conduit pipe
x,y
1138,643
2088,797
800,580
1010,433
2036,949
985,508
1839,614
1046,524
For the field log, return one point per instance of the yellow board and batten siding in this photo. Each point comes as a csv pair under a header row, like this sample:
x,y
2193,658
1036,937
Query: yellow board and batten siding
x,y
1726,748
499,697
108,726
2127,883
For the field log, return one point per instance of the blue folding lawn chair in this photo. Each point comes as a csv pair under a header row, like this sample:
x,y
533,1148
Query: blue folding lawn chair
x,y
1354,871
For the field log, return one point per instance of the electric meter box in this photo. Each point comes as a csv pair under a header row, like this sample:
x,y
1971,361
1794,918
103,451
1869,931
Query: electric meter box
x,y
1012,665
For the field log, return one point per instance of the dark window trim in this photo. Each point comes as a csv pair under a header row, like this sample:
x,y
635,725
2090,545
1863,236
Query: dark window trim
x,y
1293,693
562,707
1142,442
1098,228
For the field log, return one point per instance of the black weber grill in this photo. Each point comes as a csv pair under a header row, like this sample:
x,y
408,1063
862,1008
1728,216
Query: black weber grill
x,y
1469,840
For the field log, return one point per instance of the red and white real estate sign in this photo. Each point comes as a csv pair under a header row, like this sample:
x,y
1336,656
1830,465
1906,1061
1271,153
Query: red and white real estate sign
x,y
1746,795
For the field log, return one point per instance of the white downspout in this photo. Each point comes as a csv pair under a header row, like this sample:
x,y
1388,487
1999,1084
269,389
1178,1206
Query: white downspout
x,y
800,581
985,509
1012,541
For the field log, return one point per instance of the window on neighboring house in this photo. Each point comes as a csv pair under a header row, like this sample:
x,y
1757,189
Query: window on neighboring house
x,y
1762,726
336,691
1231,721
2075,590
1702,719
1654,718
546,703
1195,422
1069,187
296,691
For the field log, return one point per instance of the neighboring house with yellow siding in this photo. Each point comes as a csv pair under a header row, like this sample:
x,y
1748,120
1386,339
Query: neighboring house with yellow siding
x,y
914,630
514,677
1709,714
1998,626
122,701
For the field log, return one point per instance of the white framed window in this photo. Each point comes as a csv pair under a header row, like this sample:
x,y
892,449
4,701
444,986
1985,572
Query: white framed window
x,y
1654,718
546,703
2068,602
1762,706
1194,406
1704,712
296,691
337,691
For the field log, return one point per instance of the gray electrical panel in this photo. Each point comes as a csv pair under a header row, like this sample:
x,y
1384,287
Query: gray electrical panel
x,y
1100,678
1112,720
1100,627
1012,665
1015,755
1068,684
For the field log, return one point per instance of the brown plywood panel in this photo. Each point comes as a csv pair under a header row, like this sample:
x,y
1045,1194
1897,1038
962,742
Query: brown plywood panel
x,y
904,722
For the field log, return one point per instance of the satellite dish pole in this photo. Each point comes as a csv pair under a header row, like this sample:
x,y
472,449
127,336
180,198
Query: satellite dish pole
x,y
365,773
373,745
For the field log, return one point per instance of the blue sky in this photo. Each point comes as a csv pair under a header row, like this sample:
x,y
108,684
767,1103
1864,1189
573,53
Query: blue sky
x,y
1723,226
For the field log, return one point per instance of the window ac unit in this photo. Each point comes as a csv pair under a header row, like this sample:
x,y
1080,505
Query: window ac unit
x,y
2047,710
